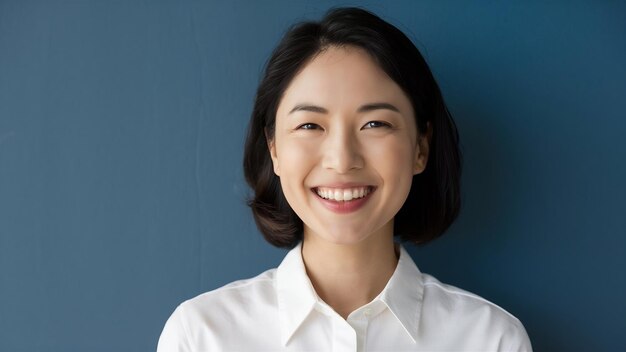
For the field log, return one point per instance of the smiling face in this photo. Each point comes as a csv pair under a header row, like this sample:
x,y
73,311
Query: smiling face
x,y
346,147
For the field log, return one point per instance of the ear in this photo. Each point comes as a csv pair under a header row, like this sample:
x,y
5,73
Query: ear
x,y
422,149
271,146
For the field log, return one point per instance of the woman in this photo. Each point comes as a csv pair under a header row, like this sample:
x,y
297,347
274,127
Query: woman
x,y
350,145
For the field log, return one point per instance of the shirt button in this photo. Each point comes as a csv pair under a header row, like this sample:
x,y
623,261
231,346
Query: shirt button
x,y
367,312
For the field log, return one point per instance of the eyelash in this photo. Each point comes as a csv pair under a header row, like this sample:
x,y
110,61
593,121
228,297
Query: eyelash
x,y
383,124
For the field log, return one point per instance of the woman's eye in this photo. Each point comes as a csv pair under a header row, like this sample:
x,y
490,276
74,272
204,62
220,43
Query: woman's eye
x,y
376,124
308,126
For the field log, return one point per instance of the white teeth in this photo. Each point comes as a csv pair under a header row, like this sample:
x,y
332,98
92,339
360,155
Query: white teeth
x,y
343,194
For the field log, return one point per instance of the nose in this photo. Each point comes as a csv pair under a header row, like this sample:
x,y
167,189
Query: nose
x,y
342,152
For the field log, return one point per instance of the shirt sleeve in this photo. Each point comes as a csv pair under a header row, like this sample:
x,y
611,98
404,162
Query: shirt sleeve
x,y
516,340
174,335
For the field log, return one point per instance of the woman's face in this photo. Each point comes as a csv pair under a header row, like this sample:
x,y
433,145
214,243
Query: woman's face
x,y
327,141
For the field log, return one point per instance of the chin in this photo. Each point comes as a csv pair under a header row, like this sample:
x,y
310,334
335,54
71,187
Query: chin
x,y
345,237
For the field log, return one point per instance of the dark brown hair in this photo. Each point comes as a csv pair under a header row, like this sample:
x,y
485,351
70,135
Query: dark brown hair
x,y
434,199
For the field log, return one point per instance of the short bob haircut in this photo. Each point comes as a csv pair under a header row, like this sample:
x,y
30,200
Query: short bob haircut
x,y
434,199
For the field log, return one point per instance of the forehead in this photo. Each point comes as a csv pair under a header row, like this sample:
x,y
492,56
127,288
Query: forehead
x,y
343,60
342,77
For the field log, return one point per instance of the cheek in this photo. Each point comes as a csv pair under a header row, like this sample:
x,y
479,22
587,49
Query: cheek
x,y
295,160
394,165
393,159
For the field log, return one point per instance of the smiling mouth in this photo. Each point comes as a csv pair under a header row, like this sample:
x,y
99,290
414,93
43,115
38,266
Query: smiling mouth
x,y
343,195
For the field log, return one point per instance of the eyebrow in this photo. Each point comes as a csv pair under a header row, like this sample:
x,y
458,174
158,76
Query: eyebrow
x,y
363,108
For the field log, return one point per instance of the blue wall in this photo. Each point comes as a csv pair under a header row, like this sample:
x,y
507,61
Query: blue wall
x,y
121,187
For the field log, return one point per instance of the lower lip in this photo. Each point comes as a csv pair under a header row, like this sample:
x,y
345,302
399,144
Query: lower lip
x,y
344,207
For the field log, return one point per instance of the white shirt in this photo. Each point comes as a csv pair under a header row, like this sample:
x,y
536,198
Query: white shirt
x,y
279,310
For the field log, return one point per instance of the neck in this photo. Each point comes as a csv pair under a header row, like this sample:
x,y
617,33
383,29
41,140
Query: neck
x,y
348,276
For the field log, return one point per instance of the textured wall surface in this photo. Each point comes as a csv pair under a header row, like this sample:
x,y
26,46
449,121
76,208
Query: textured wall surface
x,y
121,136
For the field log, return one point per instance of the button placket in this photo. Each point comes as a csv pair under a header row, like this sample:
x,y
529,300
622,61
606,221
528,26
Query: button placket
x,y
359,323
345,338
367,312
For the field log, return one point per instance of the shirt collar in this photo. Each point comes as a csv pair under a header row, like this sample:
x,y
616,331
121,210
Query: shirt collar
x,y
296,296
404,292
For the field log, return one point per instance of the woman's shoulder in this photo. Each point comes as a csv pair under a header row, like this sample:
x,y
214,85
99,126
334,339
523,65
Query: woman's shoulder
x,y
457,298
458,309
259,287
249,297
210,317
